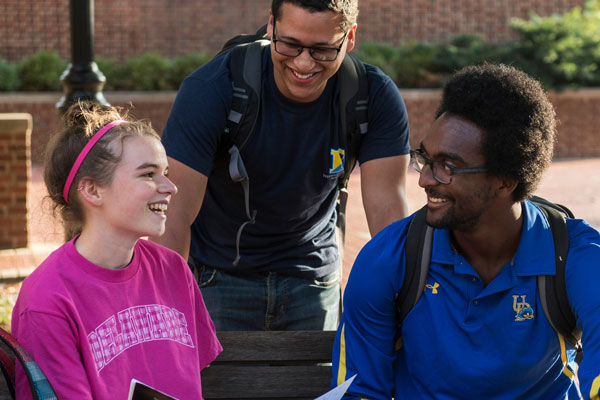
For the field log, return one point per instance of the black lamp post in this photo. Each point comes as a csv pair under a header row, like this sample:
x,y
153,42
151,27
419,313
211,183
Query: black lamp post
x,y
82,80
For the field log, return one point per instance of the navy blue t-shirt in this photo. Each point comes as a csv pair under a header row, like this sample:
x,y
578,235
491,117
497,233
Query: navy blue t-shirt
x,y
293,161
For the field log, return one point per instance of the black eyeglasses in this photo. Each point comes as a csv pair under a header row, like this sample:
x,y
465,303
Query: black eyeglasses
x,y
441,171
317,53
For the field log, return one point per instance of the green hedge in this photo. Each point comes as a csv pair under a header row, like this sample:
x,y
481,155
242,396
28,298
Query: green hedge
x,y
561,50
42,71
39,72
9,79
426,65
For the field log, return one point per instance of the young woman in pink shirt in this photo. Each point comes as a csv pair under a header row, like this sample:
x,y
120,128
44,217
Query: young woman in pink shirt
x,y
109,306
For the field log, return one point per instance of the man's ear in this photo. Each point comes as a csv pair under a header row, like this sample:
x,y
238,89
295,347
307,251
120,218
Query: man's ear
x,y
90,192
270,26
351,38
507,186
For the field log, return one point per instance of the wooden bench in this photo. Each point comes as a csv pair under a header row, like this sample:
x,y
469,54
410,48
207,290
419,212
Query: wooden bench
x,y
270,365
263,365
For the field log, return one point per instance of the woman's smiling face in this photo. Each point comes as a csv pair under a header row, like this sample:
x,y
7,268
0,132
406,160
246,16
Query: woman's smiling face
x,y
135,201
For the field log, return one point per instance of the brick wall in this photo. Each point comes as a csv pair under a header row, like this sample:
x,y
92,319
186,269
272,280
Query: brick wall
x,y
578,113
392,20
154,106
15,170
126,28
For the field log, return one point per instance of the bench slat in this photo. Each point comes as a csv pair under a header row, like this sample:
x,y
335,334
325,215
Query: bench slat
x,y
276,346
266,382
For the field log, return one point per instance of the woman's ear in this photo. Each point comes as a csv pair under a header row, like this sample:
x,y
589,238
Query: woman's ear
x,y
90,192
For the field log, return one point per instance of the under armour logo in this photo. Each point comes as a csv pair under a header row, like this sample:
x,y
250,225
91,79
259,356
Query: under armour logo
x,y
432,287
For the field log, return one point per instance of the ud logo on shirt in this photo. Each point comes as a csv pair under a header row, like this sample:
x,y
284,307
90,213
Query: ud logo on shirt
x,y
522,308
337,161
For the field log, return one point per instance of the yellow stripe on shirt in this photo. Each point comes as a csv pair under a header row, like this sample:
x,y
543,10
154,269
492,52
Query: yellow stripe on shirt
x,y
398,345
595,389
563,357
342,366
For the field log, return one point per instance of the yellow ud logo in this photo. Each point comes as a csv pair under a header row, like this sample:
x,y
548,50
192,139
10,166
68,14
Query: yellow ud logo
x,y
522,308
337,161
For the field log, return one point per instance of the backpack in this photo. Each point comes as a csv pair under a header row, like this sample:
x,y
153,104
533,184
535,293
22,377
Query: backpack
x,y
246,74
12,352
552,288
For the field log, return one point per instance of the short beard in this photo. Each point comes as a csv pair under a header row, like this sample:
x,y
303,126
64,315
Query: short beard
x,y
464,223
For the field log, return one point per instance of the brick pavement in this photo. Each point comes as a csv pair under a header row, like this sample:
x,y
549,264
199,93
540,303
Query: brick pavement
x,y
575,183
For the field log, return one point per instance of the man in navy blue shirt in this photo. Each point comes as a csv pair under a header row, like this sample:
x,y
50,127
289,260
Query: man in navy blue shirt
x,y
479,330
288,274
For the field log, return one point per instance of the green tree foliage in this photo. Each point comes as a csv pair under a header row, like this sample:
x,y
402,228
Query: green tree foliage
x,y
561,50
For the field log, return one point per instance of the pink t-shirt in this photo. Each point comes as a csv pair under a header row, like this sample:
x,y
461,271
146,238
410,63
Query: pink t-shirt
x,y
93,329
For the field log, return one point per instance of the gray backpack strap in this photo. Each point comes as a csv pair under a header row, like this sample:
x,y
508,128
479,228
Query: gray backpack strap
x,y
417,250
245,67
246,78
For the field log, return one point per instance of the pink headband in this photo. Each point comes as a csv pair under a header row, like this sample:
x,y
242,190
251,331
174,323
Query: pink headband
x,y
84,153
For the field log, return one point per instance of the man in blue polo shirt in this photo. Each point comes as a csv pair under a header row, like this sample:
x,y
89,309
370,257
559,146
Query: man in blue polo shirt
x,y
468,336
282,271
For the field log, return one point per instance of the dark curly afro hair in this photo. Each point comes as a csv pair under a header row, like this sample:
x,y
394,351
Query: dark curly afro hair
x,y
517,119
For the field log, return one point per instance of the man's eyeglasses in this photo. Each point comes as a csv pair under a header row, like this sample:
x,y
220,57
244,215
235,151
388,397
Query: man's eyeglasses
x,y
317,53
442,172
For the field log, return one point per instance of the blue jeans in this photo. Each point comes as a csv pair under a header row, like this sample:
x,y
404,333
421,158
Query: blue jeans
x,y
270,301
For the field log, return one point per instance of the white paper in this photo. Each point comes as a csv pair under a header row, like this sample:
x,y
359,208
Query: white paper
x,y
139,390
338,392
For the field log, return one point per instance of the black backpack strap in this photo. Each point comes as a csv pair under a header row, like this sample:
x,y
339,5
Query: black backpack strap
x,y
246,79
540,201
553,288
418,256
245,38
353,108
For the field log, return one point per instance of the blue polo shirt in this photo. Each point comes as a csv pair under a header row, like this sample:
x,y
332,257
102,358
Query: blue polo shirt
x,y
464,339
